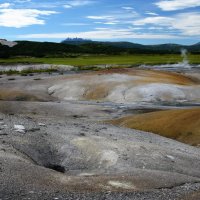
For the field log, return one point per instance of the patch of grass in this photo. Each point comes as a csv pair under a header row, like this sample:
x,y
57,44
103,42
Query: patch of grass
x,y
28,72
95,60
10,72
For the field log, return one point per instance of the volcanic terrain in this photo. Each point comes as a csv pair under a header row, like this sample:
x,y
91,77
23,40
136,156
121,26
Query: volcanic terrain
x,y
68,136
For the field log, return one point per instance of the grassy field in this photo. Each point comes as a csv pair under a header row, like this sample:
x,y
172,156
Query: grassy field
x,y
120,59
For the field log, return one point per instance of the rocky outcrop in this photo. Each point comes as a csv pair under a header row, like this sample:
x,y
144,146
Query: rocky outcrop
x,y
7,43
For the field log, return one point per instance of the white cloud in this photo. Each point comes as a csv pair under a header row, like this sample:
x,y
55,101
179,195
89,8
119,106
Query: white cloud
x,y
22,17
118,18
171,5
151,13
22,1
135,28
5,5
110,23
98,22
155,28
127,8
103,17
160,21
80,2
77,3
187,24
75,24
67,6
125,15
100,34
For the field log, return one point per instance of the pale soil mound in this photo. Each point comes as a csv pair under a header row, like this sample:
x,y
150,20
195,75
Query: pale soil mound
x,y
115,85
181,125
152,76
127,86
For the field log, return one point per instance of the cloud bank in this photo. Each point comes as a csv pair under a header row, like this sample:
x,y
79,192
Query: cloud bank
x,y
173,5
19,18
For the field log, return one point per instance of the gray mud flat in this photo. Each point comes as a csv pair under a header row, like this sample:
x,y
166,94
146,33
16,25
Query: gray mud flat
x,y
64,150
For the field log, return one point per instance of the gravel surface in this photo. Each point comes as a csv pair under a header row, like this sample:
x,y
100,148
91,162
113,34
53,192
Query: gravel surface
x,y
65,150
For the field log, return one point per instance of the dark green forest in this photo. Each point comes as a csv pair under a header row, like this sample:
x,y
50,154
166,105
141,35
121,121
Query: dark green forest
x,y
74,49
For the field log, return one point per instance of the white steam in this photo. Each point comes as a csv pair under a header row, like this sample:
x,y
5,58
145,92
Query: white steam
x,y
184,55
184,64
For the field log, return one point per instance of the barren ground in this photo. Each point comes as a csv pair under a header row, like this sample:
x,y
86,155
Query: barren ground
x,y
55,144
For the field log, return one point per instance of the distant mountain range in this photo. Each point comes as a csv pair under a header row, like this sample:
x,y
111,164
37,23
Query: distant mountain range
x,y
78,46
76,41
169,47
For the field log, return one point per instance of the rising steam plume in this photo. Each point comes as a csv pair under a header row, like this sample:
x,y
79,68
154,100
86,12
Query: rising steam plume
x,y
184,55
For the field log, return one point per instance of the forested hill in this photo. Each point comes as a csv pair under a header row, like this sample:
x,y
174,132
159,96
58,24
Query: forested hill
x,y
64,49
174,48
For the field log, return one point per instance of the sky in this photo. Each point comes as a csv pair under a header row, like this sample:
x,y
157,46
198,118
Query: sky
x,y
138,21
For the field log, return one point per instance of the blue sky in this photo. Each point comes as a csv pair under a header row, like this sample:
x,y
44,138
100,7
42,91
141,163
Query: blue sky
x,y
139,21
